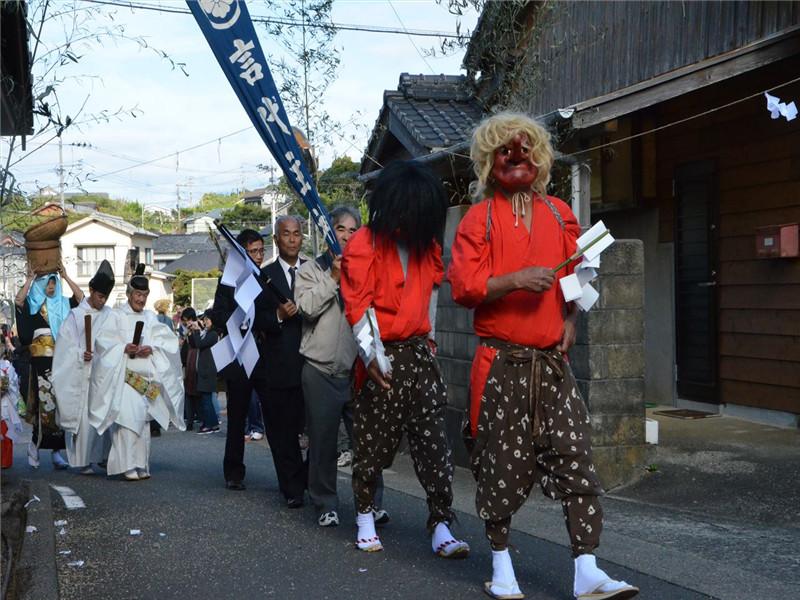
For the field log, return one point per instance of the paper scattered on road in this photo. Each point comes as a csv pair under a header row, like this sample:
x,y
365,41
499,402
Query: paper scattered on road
x,y
362,570
62,531
162,535
32,500
60,522
76,563
136,532
31,529
65,552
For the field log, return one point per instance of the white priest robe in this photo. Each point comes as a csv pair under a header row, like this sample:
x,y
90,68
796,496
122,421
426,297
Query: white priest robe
x,y
70,377
116,406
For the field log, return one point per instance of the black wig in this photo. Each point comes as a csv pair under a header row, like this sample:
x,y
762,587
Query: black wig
x,y
409,205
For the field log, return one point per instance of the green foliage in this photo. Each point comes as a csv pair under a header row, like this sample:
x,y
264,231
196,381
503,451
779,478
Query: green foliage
x,y
338,184
244,216
182,285
211,201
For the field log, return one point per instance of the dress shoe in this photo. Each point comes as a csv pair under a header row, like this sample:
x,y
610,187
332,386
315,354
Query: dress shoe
x,y
294,503
234,485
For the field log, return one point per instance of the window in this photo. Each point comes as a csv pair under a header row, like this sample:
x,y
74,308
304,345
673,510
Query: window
x,y
90,257
148,256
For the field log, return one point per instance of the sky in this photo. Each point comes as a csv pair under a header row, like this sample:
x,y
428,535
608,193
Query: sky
x,y
175,112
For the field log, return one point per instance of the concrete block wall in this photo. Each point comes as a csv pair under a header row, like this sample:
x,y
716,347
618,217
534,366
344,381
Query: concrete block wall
x,y
608,362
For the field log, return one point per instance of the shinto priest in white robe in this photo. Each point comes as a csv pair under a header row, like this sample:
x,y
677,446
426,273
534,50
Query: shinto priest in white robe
x,y
71,378
115,405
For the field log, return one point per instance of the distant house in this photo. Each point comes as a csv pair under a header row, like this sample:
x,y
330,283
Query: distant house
x,y
202,222
100,236
266,198
169,248
13,266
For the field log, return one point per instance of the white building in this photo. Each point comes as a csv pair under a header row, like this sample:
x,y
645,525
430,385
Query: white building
x,y
86,243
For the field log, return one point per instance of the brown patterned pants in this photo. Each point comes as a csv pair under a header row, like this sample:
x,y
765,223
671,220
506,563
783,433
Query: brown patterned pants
x,y
414,404
533,426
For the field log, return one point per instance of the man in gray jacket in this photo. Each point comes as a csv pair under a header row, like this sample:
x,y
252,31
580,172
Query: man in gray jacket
x,y
330,351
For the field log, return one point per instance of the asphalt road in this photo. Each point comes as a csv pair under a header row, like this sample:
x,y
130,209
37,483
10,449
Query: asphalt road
x,y
199,540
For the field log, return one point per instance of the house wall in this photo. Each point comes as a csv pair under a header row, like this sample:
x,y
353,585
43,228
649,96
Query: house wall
x,y
98,234
659,330
758,165
200,225
581,50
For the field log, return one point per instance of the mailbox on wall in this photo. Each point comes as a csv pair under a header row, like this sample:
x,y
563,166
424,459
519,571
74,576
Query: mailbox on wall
x,y
777,241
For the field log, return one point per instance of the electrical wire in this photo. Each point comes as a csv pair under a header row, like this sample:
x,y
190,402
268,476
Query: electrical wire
x,y
295,22
410,39
171,154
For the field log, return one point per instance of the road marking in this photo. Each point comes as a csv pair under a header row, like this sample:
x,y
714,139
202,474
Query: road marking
x,y
70,498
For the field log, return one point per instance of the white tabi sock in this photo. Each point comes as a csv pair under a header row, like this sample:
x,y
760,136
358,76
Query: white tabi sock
x,y
590,578
444,544
59,460
366,538
504,581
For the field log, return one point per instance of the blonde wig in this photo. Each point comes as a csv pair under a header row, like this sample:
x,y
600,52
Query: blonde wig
x,y
162,306
498,130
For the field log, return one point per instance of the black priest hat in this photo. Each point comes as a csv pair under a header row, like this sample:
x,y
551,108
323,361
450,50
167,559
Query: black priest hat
x,y
103,280
138,280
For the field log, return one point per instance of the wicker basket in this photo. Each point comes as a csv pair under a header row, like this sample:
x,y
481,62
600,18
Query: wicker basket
x,y
44,257
49,230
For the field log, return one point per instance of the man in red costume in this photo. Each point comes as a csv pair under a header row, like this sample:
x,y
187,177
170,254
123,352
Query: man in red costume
x,y
527,421
391,271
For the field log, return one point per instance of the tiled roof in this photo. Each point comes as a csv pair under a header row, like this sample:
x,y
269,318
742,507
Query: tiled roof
x,y
426,113
436,123
113,221
182,243
195,261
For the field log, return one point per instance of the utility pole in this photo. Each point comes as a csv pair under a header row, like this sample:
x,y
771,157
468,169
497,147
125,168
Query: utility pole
x,y
60,172
311,168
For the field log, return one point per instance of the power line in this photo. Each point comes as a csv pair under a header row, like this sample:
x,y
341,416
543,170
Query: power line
x,y
410,39
296,23
171,154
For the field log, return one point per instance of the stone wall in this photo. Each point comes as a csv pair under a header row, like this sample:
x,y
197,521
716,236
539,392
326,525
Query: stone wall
x,y
608,360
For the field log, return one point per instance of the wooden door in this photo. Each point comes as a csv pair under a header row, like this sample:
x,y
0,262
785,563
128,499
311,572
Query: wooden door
x,y
696,202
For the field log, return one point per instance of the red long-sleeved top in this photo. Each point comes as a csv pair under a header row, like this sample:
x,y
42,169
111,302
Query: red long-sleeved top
x,y
372,275
520,317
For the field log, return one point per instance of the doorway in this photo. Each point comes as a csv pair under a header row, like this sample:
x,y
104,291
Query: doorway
x,y
696,202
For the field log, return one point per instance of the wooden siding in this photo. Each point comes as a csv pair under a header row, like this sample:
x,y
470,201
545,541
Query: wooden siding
x,y
583,50
758,161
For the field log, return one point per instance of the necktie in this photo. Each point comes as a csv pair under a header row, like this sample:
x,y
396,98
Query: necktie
x,y
291,276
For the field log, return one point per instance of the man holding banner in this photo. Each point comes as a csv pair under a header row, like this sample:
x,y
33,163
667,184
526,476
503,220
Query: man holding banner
x,y
230,33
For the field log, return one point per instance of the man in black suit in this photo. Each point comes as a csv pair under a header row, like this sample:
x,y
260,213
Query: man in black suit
x,y
276,376
282,405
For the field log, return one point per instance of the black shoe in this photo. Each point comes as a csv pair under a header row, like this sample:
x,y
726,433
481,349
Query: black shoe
x,y
235,485
294,503
189,427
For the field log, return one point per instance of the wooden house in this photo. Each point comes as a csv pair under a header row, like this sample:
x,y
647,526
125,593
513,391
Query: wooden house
x,y
658,110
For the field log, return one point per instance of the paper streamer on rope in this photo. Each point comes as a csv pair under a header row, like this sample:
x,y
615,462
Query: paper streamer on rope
x,y
577,287
780,109
230,33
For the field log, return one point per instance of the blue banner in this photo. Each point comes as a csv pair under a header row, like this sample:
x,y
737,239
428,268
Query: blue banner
x,y
230,33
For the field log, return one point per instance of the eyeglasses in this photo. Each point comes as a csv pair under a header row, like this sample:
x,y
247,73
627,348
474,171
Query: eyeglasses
x,y
256,251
